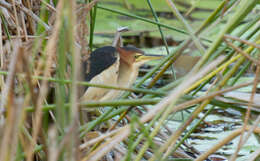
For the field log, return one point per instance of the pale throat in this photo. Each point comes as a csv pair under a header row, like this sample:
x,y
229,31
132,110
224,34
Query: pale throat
x,y
127,74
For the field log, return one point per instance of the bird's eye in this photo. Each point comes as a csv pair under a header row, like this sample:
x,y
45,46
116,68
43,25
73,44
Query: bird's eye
x,y
137,55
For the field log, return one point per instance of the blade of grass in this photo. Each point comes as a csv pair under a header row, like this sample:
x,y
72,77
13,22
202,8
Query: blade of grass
x,y
244,8
195,113
187,26
93,13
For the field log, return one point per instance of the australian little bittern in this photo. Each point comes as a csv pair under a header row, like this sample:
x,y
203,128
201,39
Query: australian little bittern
x,y
112,66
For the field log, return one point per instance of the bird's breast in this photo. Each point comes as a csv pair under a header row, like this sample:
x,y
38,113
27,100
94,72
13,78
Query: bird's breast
x,y
107,77
127,75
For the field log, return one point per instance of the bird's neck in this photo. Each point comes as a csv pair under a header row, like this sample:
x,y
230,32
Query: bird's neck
x,y
127,74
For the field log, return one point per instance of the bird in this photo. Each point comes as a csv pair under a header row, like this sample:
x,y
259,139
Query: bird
x,y
115,66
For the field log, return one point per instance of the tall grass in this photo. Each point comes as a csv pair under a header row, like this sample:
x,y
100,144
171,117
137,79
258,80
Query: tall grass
x,y
42,46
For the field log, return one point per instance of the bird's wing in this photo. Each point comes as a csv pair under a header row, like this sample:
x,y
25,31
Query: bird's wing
x,y
107,77
103,69
100,60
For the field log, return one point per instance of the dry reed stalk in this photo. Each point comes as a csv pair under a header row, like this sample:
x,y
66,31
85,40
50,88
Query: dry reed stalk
x,y
172,98
223,142
50,52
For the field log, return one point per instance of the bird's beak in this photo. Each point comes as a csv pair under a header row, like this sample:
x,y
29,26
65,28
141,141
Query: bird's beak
x,y
148,57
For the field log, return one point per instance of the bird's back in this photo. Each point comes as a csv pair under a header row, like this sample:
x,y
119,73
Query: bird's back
x,y
99,61
101,68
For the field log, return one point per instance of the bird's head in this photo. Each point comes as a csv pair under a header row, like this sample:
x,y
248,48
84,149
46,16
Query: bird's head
x,y
134,56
